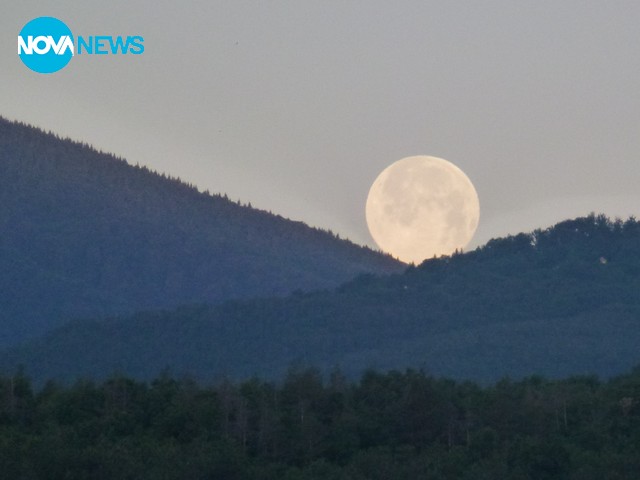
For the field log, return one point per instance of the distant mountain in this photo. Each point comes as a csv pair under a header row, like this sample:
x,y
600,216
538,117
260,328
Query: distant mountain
x,y
84,234
556,302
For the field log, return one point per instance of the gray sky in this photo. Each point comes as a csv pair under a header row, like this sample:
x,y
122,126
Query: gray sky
x,y
297,106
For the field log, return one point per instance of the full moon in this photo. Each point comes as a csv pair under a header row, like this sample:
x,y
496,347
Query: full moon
x,y
420,207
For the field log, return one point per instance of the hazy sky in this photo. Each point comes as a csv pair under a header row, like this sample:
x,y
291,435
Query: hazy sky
x,y
297,106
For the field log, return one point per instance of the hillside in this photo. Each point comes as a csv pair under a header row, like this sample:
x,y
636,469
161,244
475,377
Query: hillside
x,y
556,302
85,234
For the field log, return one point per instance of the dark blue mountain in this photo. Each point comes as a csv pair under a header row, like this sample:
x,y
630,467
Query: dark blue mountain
x,y
556,302
85,234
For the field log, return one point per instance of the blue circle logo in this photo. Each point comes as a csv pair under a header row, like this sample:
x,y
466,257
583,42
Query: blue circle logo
x,y
45,45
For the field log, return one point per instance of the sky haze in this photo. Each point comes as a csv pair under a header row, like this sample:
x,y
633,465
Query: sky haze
x,y
296,107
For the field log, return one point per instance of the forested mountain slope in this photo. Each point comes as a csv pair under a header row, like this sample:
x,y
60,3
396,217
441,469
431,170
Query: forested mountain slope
x,y
560,301
83,233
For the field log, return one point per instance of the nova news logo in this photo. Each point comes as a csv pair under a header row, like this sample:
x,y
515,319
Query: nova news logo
x,y
46,45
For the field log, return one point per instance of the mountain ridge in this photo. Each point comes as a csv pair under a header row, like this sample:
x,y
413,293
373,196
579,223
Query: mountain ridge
x,y
556,302
85,234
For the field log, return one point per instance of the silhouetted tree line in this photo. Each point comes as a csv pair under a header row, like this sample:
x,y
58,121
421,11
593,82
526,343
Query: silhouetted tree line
x,y
385,426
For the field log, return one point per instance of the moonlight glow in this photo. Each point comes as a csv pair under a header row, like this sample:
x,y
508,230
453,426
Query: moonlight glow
x,y
422,206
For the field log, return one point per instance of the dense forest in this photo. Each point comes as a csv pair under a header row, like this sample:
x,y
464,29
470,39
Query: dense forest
x,y
557,302
385,426
85,234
